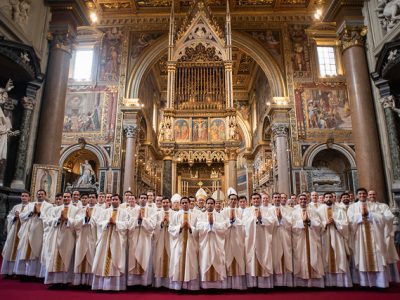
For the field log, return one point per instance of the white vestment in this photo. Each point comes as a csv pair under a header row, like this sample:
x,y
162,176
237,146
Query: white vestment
x,y
140,246
282,260
109,263
184,267
211,250
308,267
30,236
61,239
162,249
11,245
370,249
86,240
235,258
259,269
334,252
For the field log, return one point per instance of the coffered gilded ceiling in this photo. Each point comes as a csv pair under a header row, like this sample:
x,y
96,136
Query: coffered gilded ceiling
x,y
127,7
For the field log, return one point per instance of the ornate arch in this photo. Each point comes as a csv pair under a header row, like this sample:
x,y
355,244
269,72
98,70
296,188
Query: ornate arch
x,y
245,130
263,58
311,152
98,152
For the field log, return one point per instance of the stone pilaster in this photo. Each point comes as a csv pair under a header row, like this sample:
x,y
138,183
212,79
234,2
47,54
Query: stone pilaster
x,y
365,132
389,108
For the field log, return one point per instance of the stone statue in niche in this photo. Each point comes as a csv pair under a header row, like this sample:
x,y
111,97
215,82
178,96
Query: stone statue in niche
x,y
88,176
5,122
168,129
232,131
388,13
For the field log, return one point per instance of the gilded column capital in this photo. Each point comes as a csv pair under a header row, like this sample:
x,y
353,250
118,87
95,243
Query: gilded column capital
x,y
167,152
231,153
280,129
387,102
62,39
351,36
130,130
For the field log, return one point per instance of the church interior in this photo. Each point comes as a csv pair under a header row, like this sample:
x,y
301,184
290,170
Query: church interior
x,y
173,96
207,108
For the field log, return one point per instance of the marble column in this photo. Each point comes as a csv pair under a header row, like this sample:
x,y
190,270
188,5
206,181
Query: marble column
x,y
231,169
130,150
53,103
364,125
173,180
280,133
167,177
20,170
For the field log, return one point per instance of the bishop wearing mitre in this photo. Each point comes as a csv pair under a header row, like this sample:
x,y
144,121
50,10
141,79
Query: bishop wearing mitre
x,y
259,225
334,235
62,242
109,261
13,223
143,223
235,262
162,249
184,267
308,267
281,243
28,260
85,225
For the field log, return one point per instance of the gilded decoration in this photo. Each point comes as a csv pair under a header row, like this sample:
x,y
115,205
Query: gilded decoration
x,y
62,39
353,36
206,156
294,130
200,53
115,5
200,13
254,2
116,161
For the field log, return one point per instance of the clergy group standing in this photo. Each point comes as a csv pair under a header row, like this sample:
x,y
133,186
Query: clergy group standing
x,y
195,243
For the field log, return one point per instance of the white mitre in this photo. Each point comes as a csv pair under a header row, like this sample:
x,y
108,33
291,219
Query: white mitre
x,y
201,193
218,195
176,198
231,191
